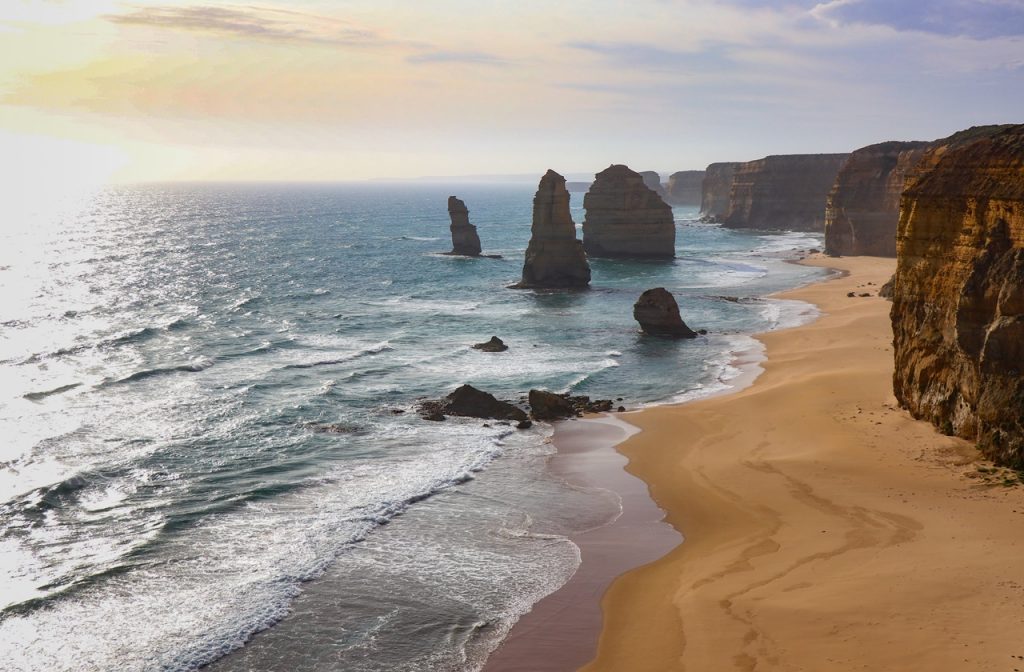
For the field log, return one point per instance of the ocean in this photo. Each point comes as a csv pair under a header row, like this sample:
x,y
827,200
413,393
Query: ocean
x,y
207,412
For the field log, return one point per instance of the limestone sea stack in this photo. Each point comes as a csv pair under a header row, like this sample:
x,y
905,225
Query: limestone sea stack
x,y
554,257
715,189
783,192
658,313
864,204
958,297
465,240
684,187
653,182
625,218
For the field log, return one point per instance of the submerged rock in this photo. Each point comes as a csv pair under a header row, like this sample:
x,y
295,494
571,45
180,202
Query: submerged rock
x,y
465,241
658,313
554,257
625,218
493,345
469,402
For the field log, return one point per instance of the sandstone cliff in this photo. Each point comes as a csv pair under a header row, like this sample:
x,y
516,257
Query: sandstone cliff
x,y
864,205
624,218
782,192
958,303
554,258
715,189
684,187
653,182
465,240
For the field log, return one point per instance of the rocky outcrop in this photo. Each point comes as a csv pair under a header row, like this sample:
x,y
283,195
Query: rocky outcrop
x,y
783,192
550,406
554,257
715,189
864,204
493,345
653,182
465,241
658,313
625,218
684,187
958,297
469,402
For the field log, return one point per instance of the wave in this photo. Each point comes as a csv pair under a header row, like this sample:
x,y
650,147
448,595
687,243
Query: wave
x,y
192,367
36,396
129,337
579,380
377,348
425,239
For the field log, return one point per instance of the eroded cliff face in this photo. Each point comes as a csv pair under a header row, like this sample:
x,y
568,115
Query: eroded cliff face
x,y
625,218
554,257
958,303
684,187
864,205
783,192
715,189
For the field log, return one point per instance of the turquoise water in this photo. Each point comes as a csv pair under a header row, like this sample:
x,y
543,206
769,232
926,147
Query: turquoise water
x,y
199,386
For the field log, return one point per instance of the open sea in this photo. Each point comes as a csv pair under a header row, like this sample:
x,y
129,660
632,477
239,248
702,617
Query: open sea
x,y
208,426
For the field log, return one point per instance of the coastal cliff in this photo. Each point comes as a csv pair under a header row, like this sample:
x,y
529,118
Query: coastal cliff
x,y
554,257
653,181
864,205
715,189
465,240
782,192
625,218
684,187
958,304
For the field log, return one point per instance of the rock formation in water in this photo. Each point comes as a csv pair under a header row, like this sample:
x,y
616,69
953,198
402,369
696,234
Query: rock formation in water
x,y
465,241
684,187
625,218
493,345
550,406
653,182
467,401
958,299
864,204
783,192
554,258
715,189
658,313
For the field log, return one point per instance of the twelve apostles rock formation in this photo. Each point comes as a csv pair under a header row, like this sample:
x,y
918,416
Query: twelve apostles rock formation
x,y
625,218
684,187
658,313
958,304
653,182
783,192
715,189
554,257
864,205
465,240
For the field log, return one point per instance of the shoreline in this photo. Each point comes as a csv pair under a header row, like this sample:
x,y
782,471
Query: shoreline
x,y
561,631
825,529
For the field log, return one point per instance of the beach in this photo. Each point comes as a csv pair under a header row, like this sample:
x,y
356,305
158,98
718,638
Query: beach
x,y
825,529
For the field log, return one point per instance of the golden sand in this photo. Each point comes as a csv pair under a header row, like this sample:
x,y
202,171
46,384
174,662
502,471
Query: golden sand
x,y
825,529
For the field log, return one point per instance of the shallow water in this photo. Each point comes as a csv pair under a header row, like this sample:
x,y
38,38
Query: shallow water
x,y
197,404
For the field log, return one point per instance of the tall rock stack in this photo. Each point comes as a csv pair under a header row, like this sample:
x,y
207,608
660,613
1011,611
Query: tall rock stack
x,y
653,182
958,302
684,187
864,205
625,218
465,240
783,192
554,257
715,189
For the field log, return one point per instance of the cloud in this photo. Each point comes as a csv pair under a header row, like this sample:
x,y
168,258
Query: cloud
x,y
981,19
251,23
651,57
464,57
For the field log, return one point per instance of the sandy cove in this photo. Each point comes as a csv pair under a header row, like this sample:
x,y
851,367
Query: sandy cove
x,y
825,529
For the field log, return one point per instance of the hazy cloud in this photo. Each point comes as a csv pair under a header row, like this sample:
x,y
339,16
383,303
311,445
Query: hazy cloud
x,y
251,23
972,18
466,57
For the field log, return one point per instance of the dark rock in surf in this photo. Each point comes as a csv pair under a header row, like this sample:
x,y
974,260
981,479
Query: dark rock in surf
x,y
465,240
658,314
469,402
493,345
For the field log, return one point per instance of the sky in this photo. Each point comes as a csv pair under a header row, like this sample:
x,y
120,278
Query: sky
x,y
348,90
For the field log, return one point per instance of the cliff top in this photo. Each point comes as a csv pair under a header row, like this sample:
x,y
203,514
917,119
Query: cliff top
x,y
982,162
